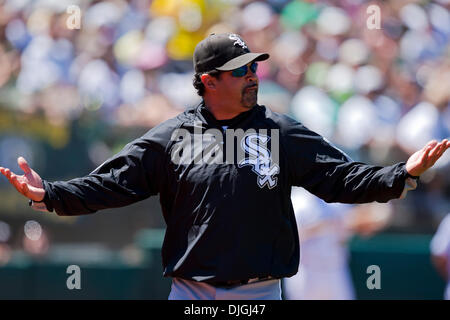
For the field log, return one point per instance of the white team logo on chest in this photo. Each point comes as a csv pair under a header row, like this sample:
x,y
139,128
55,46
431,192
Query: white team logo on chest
x,y
259,157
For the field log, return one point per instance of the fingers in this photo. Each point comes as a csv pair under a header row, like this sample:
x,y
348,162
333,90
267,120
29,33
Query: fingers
x,y
14,180
431,144
6,172
441,148
426,152
23,164
25,189
433,154
445,145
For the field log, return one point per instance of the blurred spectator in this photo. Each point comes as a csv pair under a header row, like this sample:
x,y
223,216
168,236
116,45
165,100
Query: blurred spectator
x,y
324,230
440,252
35,240
5,250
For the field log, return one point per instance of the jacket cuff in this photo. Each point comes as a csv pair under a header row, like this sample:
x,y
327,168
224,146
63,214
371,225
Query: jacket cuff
x,y
406,173
410,182
45,204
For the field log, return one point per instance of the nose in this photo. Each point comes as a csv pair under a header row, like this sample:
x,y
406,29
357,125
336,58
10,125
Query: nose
x,y
251,76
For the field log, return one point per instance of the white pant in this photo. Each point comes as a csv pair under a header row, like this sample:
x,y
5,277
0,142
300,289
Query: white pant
x,y
192,290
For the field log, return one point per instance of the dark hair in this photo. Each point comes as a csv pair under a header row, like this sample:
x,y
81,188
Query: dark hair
x,y
198,84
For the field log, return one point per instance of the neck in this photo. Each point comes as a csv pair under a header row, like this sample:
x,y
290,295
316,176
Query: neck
x,y
224,111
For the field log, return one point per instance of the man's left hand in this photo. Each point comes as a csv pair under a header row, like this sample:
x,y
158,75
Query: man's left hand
x,y
426,157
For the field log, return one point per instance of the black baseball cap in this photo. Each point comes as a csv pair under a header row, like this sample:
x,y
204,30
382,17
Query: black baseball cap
x,y
224,52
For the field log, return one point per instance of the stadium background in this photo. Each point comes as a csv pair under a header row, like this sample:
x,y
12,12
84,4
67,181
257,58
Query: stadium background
x,y
69,98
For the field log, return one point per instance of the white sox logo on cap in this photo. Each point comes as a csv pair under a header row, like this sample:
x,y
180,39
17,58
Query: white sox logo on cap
x,y
223,52
238,40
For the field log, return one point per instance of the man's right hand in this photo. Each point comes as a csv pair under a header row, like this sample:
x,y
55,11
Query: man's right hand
x,y
29,184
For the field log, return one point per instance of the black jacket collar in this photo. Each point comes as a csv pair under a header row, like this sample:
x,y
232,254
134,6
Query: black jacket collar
x,y
207,118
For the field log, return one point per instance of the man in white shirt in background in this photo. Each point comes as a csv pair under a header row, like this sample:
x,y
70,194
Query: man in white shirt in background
x,y
324,231
440,252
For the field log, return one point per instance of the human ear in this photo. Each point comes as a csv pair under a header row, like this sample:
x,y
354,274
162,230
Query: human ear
x,y
208,81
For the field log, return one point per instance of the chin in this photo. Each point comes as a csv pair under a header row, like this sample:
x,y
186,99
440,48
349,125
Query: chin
x,y
249,102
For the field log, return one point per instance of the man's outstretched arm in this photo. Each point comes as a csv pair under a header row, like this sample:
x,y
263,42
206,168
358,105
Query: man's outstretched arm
x,y
125,178
328,173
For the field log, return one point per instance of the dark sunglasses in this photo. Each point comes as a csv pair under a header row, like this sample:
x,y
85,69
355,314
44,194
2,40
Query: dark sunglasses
x,y
242,71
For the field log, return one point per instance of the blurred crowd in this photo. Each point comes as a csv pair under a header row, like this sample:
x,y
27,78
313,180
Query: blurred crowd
x,y
378,93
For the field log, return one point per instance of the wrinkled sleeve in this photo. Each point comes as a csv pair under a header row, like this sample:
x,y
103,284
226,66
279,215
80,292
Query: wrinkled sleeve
x,y
327,172
129,176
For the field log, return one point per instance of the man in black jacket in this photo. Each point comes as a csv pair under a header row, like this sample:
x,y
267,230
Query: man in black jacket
x,y
224,172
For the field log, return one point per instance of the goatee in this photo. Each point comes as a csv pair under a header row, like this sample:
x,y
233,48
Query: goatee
x,y
249,98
